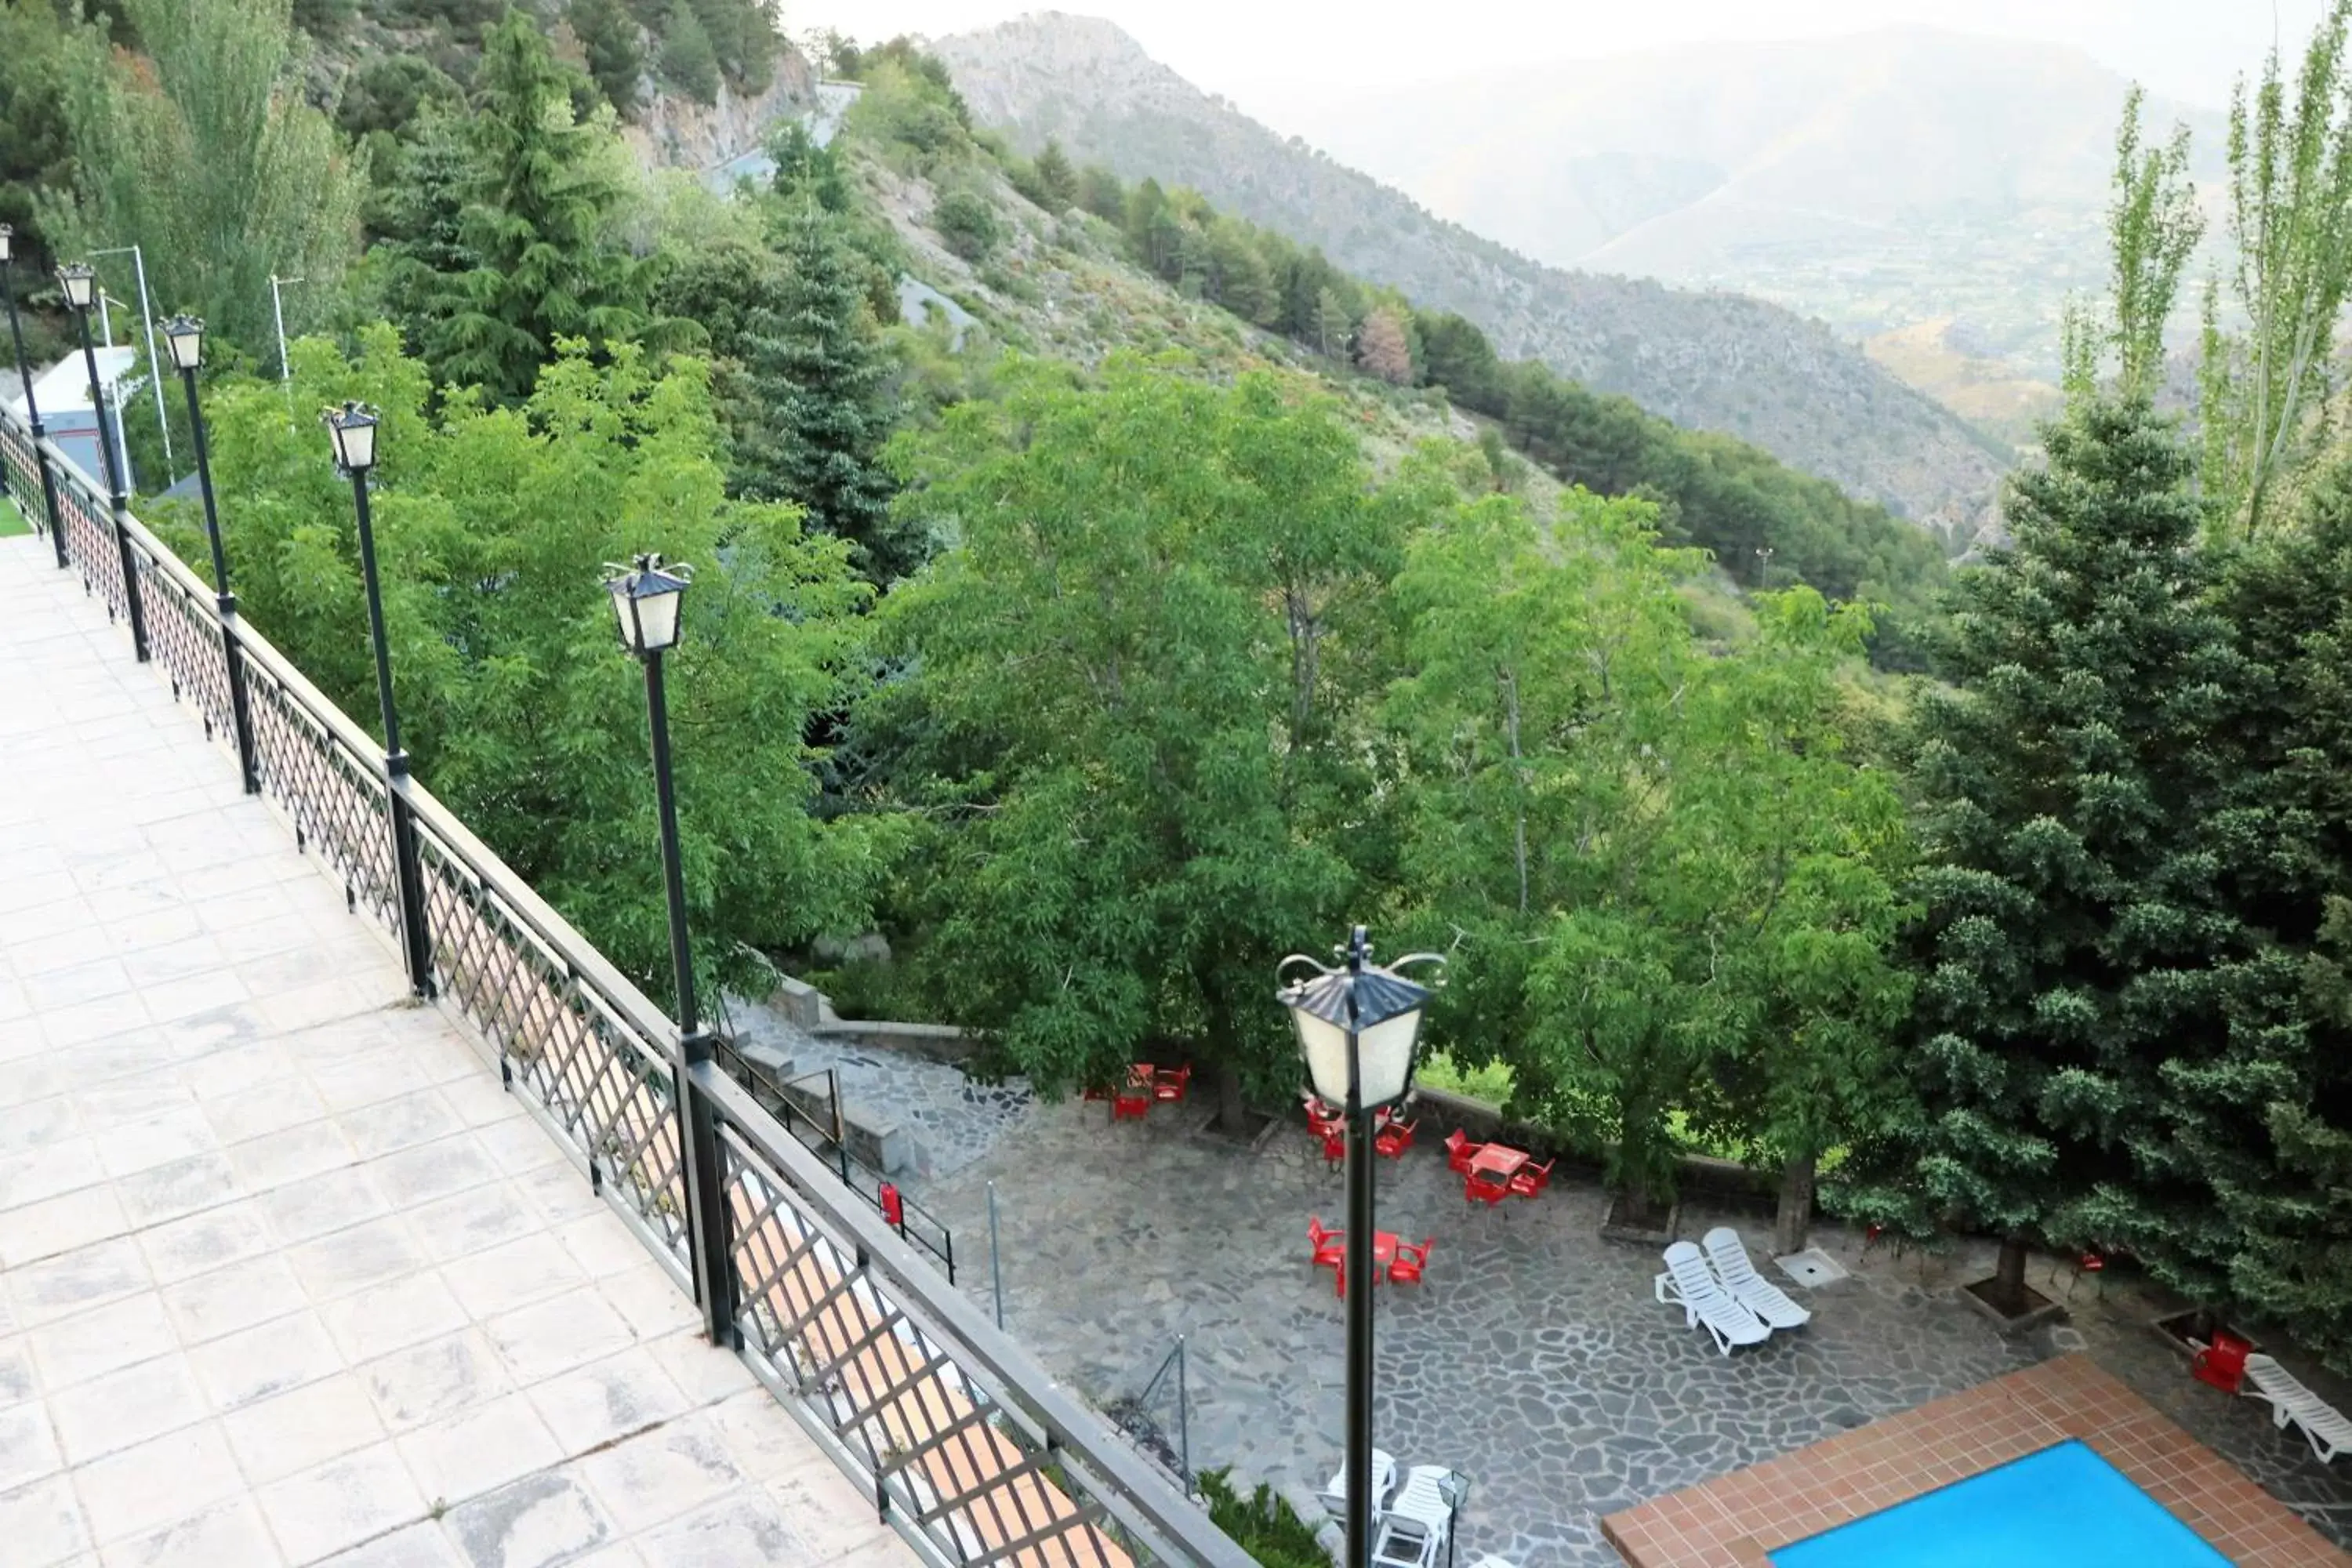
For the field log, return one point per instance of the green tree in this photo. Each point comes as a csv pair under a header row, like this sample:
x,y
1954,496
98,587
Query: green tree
x,y
1107,679
615,49
494,525
537,264
690,60
818,370
2153,226
1239,279
2264,392
1056,180
2073,933
967,223
203,151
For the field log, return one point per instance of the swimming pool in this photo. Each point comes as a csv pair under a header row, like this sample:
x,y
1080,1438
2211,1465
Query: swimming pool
x,y
2061,1508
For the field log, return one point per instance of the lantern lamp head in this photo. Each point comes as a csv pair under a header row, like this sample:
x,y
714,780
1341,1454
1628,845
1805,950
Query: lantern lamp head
x,y
79,281
7,239
353,428
185,335
648,598
1358,1025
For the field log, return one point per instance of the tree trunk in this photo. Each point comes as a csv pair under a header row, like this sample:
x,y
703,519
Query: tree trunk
x,y
1794,1217
2009,1275
1231,1112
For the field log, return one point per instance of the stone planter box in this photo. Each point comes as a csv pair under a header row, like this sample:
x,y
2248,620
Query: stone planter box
x,y
1641,1231
2029,1312
2190,1331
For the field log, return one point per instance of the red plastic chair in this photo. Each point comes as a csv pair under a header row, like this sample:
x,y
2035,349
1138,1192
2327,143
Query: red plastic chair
x,y
2221,1363
1394,1139
1169,1083
1334,1145
1125,1107
1409,1260
1460,1152
1529,1179
1330,1244
1477,1190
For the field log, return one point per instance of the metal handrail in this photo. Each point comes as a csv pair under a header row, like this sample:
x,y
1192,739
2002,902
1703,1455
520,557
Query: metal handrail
x,y
1124,1494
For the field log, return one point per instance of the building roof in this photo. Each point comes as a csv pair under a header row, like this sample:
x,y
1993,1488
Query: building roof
x,y
64,387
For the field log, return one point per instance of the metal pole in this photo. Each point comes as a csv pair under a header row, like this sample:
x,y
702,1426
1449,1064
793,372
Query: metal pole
x,y
277,311
154,368
714,1280
407,869
119,501
240,706
995,1268
33,417
1183,1417
1359,1295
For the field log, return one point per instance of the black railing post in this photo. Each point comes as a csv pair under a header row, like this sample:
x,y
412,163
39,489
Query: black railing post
x,y
49,498
241,705
118,495
407,870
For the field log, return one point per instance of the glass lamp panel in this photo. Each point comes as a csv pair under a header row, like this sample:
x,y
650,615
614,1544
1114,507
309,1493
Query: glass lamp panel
x,y
78,282
186,337
8,236
624,613
355,442
1325,1045
1384,1054
657,616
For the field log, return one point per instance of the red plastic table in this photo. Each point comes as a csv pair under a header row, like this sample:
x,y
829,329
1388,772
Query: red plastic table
x,y
1497,1162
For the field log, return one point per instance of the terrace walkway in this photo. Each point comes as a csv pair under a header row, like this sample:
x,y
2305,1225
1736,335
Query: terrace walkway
x,y
285,1277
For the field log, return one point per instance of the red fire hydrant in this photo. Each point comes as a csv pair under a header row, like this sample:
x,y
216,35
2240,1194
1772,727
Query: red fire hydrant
x,y
894,1207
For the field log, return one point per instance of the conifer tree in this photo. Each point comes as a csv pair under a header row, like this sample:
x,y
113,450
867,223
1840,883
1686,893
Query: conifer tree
x,y
537,196
690,60
2074,933
609,35
1055,179
817,364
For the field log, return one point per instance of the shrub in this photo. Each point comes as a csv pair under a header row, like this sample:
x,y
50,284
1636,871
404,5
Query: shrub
x,y
968,223
1262,1524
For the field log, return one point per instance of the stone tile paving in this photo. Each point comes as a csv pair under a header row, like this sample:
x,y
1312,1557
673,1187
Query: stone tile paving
x,y
1534,1358
284,1277
952,1119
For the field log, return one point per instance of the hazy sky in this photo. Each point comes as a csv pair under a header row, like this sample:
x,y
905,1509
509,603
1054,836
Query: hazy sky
x,y
1265,54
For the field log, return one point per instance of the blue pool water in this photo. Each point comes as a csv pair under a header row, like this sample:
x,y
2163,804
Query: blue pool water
x,y
2061,1508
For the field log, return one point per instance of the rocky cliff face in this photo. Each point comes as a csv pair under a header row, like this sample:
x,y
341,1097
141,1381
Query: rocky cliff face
x,y
676,133
1706,359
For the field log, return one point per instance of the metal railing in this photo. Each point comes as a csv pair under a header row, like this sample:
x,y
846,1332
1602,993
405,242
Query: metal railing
x,y
966,1445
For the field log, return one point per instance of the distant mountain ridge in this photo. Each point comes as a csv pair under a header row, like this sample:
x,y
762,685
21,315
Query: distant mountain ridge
x,y
1707,361
1882,179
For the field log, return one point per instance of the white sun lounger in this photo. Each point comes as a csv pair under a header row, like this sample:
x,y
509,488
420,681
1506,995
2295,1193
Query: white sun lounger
x,y
1749,1289
2324,1425
1383,1483
1689,1284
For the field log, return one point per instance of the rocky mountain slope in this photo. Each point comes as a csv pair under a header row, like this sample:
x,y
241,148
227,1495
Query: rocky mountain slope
x,y
1880,180
1709,361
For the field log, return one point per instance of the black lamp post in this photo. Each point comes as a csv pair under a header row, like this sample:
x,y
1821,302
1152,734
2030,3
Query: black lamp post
x,y
81,285
353,428
1357,1026
649,598
185,335
32,404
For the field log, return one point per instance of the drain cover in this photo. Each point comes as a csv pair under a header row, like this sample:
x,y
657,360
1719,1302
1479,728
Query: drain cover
x,y
1812,1266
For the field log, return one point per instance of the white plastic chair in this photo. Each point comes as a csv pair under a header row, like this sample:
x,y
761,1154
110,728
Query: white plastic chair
x,y
1689,1284
1749,1289
1383,1483
2324,1427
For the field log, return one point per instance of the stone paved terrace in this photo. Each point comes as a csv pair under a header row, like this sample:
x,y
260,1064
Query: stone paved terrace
x,y
285,1278
1534,1357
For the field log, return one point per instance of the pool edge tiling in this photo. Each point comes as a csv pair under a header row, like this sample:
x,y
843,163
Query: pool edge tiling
x,y
1733,1520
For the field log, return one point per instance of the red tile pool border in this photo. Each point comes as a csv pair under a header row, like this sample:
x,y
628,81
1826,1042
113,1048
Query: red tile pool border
x,y
1733,1520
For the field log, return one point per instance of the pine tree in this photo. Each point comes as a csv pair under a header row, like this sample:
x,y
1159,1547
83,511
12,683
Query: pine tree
x,y
615,52
533,230
1381,349
1332,327
817,363
2074,933
690,60
1055,179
